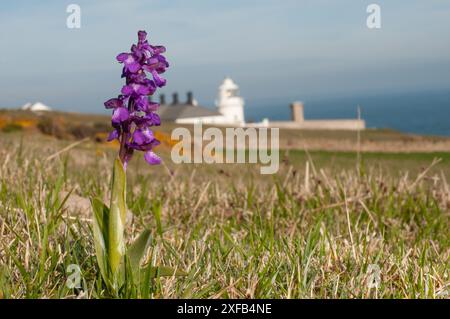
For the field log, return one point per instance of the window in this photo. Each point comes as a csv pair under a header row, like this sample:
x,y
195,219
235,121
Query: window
x,y
233,93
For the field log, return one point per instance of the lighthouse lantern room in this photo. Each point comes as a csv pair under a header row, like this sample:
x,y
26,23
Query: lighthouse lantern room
x,y
229,103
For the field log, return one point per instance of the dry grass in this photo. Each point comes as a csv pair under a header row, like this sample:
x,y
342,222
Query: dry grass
x,y
314,230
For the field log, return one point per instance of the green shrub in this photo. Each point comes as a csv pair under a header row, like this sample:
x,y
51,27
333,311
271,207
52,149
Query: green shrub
x,y
12,127
82,131
50,126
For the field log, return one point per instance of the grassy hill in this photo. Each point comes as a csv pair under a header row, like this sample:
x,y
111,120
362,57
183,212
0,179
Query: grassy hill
x,y
63,125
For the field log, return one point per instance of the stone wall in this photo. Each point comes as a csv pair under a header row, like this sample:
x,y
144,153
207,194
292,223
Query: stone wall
x,y
352,125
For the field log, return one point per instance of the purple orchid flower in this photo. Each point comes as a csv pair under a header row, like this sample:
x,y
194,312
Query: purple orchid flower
x,y
133,114
130,62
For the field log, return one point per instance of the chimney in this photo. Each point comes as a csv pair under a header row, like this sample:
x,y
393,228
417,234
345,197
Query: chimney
x,y
162,99
175,99
297,112
190,98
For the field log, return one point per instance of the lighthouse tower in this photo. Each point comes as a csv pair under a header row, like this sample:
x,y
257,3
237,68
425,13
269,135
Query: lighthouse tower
x,y
229,103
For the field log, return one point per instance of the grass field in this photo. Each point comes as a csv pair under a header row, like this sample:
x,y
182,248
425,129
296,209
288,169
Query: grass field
x,y
327,225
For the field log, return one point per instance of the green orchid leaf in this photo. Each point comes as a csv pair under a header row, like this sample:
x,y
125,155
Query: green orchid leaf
x,y
117,217
137,249
100,227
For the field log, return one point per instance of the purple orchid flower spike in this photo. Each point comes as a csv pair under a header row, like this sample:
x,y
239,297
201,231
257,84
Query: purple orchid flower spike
x,y
133,114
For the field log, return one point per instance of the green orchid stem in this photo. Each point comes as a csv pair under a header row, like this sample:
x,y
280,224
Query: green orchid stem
x,y
118,265
117,220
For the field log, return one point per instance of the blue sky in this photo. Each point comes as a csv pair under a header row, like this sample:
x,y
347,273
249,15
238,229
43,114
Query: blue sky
x,y
275,50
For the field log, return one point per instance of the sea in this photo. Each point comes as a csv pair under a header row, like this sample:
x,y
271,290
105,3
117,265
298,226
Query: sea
x,y
425,113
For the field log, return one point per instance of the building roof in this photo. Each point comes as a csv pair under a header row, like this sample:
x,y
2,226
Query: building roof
x,y
38,106
172,112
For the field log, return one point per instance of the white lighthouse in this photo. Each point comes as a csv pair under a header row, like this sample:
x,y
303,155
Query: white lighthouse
x,y
229,103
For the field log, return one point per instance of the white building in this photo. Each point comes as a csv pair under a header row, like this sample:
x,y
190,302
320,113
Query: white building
x,y
229,103
229,111
35,107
